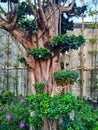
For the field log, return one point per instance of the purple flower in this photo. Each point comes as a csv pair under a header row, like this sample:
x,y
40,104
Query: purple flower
x,y
12,102
22,100
8,117
1,108
21,124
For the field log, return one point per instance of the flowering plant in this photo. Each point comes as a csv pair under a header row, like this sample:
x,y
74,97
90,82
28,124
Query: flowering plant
x,y
32,110
15,116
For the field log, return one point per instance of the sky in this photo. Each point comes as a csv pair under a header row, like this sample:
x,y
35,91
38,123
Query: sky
x,y
78,19
89,6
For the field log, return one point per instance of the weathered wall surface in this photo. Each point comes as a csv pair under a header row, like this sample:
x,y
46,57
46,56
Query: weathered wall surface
x,y
13,75
89,62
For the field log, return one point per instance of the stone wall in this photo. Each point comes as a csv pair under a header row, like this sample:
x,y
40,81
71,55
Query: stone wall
x,y
74,60
13,75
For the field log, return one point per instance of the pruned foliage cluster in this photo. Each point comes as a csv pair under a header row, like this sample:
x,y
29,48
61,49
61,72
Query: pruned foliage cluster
x,y
65,43
66,77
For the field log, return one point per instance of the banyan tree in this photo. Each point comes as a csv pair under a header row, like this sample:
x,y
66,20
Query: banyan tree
x,y
40,27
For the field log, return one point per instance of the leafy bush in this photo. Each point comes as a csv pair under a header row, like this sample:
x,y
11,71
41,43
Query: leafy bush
x,y
66,24
23,22
27,25
22,60
65,77
46,107
6,97
39,87
17,114
58,107
24,9
85,118
77,11
40,53
65,43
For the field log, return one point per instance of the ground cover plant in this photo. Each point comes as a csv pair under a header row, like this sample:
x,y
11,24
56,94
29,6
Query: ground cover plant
x,y
70,112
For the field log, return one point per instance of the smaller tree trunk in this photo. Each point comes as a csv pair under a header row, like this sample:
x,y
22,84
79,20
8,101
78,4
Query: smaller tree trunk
x,y
51,124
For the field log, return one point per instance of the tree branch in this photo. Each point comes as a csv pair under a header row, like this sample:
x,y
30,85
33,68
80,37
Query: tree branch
x,y
59,2
3,10
29,59
14,22
67,9
35,4
6,25
64,2
30,4
22,38
20,49
42,12
2,21
43,2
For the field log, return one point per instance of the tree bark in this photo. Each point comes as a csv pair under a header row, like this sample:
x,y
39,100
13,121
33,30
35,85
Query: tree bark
x,y
32,82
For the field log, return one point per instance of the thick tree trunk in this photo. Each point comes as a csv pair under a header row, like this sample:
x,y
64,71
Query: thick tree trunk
x,y
32,81
43,71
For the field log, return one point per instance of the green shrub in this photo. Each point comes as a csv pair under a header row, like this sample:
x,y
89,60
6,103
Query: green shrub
x,y
39,87
40,53
25,23
65,77
22,60
85,118
65,43
17,114
6,97
46,107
